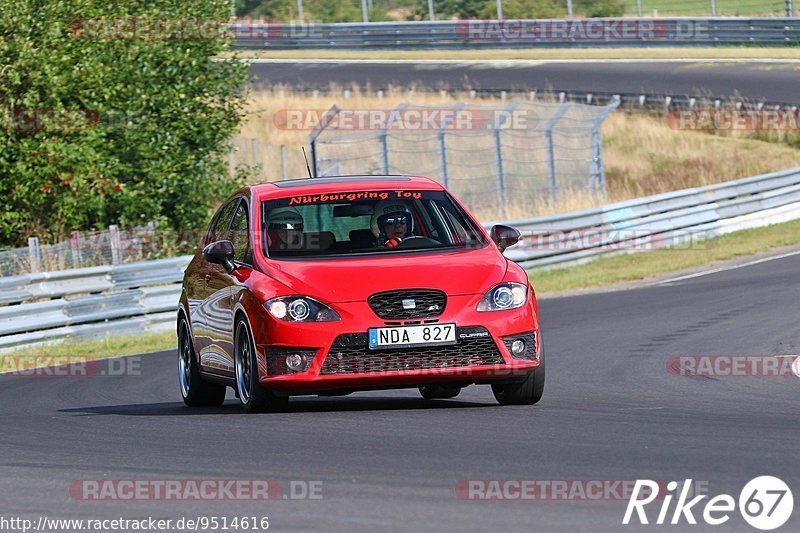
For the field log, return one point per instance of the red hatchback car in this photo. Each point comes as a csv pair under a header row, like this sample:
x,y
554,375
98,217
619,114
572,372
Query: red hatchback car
x,y
332,285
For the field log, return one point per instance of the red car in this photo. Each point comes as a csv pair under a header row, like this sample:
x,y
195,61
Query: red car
x,y
332,285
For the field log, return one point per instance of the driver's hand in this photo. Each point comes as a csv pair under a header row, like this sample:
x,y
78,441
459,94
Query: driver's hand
x,y
391,243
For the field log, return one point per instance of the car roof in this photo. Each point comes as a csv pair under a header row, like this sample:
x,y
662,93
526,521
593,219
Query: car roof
x,y
332,184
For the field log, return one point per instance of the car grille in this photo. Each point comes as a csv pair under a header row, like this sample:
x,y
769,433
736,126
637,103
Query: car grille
x,y
350,354
427,303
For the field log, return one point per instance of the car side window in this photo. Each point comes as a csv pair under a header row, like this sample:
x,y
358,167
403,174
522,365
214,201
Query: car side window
x,y
240,235
219,228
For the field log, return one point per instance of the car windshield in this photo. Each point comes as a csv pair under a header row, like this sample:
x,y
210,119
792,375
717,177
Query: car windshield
x,y
366,222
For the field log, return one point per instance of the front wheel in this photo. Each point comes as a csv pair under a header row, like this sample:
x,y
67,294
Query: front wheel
x,y
528,392
195,391
253,397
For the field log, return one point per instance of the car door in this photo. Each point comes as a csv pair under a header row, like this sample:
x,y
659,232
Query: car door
x,y
222,287
214,296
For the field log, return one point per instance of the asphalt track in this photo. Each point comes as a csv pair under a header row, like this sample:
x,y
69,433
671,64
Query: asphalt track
x,y
390,461
773,81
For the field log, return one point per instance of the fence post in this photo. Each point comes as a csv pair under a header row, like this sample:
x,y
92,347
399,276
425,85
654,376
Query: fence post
x,y
501,176
597,168
499,9
383,137
300,13
639,7
789,8
384,153
283,161
713,8
113,238
329,115
443,159
364,12
551,155
431,15
35,254
499,120
75,245
569,8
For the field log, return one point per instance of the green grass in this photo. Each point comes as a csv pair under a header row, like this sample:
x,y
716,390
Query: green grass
x,y
643,265
721,52
726,8
99,348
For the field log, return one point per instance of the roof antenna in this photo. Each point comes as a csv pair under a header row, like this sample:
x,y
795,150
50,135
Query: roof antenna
x,y
306,158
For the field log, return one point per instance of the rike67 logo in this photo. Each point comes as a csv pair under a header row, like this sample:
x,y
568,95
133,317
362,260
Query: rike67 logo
x,y
765,503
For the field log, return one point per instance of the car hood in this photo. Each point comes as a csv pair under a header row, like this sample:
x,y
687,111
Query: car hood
x,y
355,278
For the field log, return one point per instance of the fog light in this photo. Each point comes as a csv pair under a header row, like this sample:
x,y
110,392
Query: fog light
x,y
518,346
297,362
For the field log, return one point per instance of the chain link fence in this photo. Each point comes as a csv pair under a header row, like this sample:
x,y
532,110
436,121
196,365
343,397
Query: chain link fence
x,y
498,159
96,248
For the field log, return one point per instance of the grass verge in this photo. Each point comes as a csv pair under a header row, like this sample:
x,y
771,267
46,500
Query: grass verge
x,y
727,52
644,265
89,349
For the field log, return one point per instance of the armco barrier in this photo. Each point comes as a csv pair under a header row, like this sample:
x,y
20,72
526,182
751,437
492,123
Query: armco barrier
x,y
130,298
116,299
678,218
532,33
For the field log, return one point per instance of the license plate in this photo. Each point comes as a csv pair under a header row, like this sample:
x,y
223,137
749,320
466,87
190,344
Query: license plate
x,y
405,336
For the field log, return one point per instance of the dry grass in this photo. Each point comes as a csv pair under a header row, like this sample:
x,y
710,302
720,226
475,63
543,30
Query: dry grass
x,y
643,154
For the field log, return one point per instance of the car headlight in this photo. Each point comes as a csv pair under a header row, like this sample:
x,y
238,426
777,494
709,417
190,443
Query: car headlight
x,y
300,309
504,296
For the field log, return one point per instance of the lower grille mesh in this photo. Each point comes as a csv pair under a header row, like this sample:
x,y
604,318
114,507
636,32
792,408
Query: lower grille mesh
x,y
350,355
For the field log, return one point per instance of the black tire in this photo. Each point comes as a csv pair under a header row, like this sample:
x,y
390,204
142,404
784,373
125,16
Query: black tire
x,y
196,392
253,397
528,392
439,392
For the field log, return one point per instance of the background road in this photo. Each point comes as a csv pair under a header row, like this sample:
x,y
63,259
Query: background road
x,y
773,81
390,461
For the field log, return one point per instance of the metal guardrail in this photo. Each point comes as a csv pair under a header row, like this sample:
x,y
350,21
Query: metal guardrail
x,y
532,33
118,299
679,218
133,297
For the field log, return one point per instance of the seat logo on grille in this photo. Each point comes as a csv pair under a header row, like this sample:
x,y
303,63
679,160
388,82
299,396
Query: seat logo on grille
x,y
433,308
409,303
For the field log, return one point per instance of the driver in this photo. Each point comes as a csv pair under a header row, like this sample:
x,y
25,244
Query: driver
x,y
284,228
391,222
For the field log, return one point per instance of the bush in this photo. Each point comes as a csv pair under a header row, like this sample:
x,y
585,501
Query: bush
x,y
102,124
601,8
526,9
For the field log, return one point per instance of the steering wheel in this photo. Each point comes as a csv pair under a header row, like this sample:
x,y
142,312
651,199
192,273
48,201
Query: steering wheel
x,y
418,241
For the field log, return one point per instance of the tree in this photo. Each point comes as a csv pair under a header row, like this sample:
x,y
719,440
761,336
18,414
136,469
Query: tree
x,y
113,112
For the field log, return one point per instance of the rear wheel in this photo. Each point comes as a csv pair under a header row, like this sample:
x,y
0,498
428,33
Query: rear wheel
x,y
528,392
253,397
195,391
439,392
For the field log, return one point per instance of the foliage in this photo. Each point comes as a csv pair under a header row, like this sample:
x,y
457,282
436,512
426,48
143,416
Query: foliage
x,y
113,112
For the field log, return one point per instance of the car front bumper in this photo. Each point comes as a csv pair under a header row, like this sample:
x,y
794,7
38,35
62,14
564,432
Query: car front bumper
x,y
343,360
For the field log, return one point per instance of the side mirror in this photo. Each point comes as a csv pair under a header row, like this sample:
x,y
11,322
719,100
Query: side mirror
x,y
504,236
221,253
